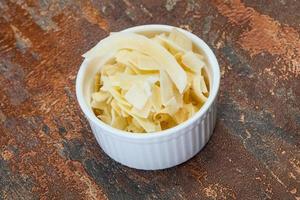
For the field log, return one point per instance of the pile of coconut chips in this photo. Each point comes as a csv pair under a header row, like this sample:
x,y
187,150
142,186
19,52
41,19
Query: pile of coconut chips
x,y
147,84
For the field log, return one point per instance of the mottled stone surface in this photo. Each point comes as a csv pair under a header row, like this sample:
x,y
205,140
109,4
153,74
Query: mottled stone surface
x,y
47,150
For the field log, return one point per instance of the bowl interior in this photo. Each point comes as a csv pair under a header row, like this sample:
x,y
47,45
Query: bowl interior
x,y
89,69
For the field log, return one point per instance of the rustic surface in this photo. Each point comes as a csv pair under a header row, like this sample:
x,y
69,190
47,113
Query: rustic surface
x,y
47,149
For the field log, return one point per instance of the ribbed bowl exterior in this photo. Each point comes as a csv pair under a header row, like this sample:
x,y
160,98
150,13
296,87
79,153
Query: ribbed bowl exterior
x,y
162,153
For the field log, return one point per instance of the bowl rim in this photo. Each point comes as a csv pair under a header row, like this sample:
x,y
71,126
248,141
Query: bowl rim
x,y
215,70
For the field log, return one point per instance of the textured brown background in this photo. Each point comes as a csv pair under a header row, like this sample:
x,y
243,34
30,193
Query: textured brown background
x,y
47,150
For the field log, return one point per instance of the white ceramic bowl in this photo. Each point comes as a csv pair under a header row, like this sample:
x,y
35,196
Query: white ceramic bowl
x,y
158,150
